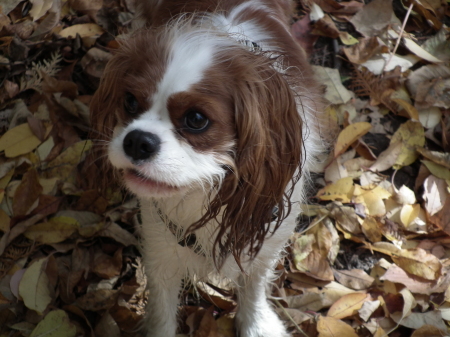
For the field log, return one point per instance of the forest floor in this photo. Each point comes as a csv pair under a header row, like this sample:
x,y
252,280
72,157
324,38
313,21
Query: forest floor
x,y
371,256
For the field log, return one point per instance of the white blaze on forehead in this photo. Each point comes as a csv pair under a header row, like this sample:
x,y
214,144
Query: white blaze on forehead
x,y
190,55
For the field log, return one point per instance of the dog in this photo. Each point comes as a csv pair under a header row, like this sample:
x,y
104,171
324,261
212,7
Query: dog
x,y
211,116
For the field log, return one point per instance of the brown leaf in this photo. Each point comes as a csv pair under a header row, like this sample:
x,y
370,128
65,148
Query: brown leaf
x,y
27,193
356,279
37,127
51,85
364,50
332,327
348,305
418,262
96,300
106,266
208,326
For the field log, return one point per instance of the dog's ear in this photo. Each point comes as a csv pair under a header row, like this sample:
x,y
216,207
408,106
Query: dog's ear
x,y
99,173
268,158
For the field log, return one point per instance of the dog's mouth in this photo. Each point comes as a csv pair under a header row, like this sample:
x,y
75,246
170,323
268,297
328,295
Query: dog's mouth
x,y
139,181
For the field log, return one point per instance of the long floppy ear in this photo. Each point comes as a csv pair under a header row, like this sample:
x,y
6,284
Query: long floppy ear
x,y
268,158
99,173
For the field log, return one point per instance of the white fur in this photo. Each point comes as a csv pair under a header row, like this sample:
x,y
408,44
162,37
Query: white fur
x,y
178,164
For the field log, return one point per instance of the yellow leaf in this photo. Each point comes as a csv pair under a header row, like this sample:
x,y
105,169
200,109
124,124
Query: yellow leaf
x,y
409,213
418,262
19,140
412,111
341,190
372,199
349,135
347,305
63,165
34,287
371,230
55,324
437,170
347,39
56,230
332,327
82,29
411,135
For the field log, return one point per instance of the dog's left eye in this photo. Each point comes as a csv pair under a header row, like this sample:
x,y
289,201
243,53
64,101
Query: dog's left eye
x,y
196,121
131,104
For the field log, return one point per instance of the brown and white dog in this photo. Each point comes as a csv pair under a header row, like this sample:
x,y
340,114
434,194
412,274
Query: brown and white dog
x,y
211,117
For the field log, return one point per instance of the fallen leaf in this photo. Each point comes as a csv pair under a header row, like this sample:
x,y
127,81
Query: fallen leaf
x,y
419,51
349,135
374,17
57,229
27,193
82,29
342,190
428,331
417,320
356,279
368,308
439,171
411,135
34,287
372,199
335,93
63,165
332,327
418,262
19,140
39,8
348,305
412,111
55,324
435,193
416,285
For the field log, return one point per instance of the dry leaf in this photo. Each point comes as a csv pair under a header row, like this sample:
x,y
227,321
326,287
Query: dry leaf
x,y
435,193
34,287
19,140
348,305
55,324
418,262
356,279
82,29
349,135
414,284
332,327
57,229
342,190
335,93
27,193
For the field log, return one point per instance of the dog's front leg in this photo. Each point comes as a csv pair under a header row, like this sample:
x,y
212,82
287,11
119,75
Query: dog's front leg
x,y
161,320
255,316
164,269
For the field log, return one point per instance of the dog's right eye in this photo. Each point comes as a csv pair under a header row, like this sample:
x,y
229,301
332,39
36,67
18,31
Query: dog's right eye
x,y
131,104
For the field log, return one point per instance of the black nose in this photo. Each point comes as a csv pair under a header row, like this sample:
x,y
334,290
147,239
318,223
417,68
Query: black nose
x,y
140,145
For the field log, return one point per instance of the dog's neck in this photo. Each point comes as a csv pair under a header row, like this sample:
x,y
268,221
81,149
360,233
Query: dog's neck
x,y
182,210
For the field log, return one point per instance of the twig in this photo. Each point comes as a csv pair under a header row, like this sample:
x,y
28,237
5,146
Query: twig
x,y
400,35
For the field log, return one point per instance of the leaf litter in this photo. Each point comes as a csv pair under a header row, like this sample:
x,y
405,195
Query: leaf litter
x,y
371,256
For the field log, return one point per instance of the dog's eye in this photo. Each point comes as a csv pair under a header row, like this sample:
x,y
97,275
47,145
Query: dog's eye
x,y
196,121
131,104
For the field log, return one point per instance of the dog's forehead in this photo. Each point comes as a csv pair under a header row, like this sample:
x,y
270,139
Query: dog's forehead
x,y
186,66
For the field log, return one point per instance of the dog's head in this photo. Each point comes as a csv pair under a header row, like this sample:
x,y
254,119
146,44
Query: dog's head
x,y
185,108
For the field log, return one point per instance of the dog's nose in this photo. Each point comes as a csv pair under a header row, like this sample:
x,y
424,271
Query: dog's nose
x,y
140,145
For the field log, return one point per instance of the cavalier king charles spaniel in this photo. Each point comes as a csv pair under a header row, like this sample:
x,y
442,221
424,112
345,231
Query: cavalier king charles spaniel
x,y
211,117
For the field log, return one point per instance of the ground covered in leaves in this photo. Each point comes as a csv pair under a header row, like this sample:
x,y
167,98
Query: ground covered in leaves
x,y
372,252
